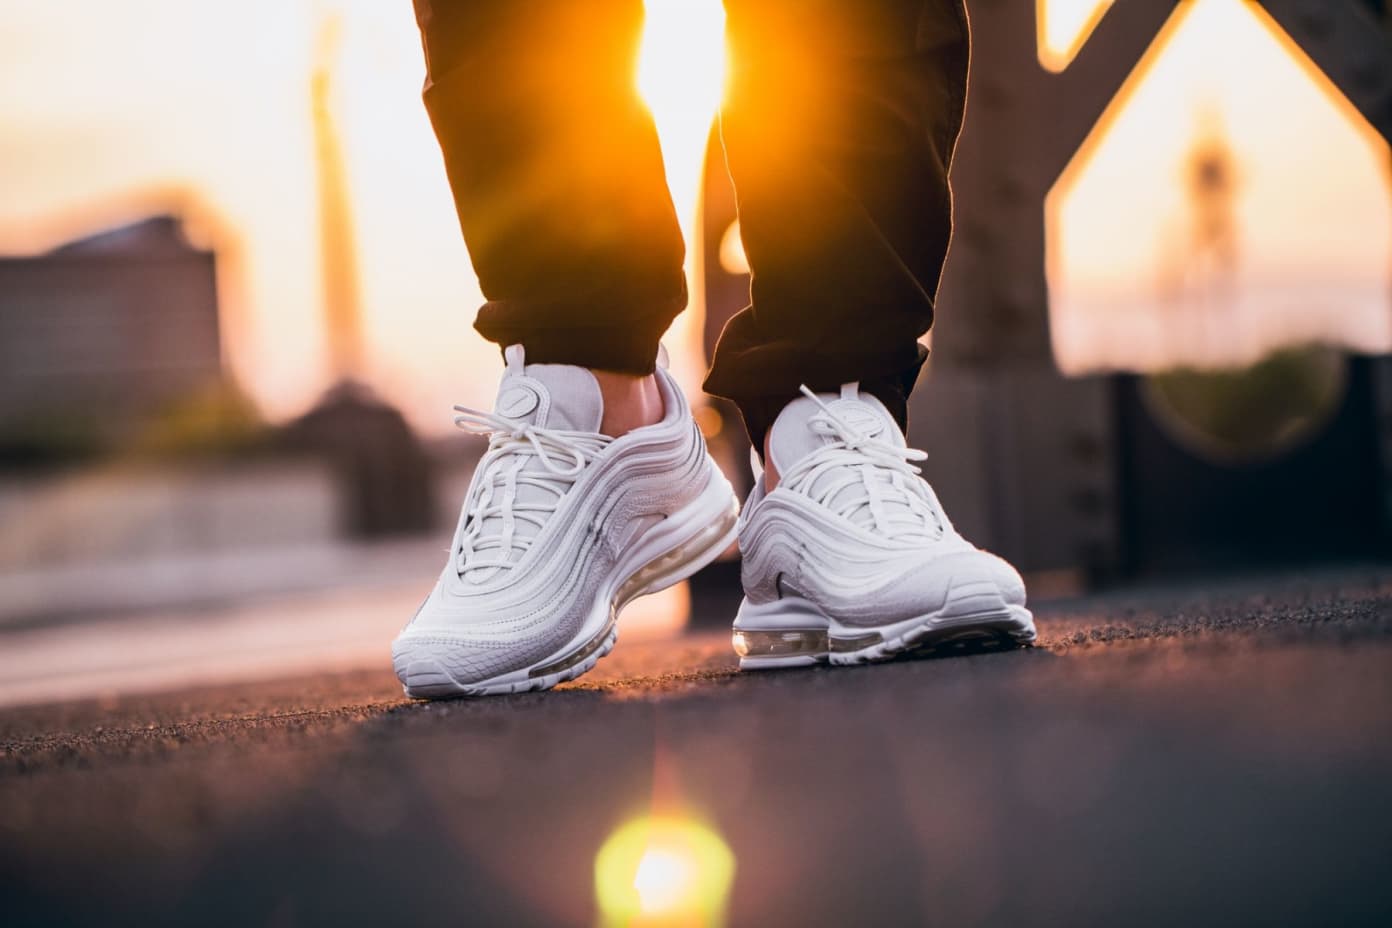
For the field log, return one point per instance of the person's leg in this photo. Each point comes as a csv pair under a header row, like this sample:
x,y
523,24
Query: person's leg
x,y
596,487
839,132
557,176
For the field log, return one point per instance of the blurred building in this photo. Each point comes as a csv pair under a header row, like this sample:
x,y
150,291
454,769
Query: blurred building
x,y
100,334
386,479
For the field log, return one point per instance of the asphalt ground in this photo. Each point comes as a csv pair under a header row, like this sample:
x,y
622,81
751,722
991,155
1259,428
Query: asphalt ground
x,y
1201,753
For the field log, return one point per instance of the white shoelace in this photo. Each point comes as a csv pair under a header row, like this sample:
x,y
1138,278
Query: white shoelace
x,y
866,479
493,511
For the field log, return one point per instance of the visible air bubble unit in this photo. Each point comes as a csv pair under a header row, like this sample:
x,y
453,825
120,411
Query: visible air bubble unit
x,y
788,642
653,572
648,578
576,657
782,643
840,645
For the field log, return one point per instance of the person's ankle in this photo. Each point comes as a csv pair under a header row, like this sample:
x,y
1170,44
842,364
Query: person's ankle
x,y
631,401
770,472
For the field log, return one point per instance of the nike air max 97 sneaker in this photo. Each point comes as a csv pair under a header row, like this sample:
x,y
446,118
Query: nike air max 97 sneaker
x,y
850,558
561,528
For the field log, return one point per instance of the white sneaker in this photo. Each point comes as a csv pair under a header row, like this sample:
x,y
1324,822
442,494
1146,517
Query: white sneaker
x,y
562,527
851,558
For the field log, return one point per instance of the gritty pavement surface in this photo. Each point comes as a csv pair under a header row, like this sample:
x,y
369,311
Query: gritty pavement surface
x,y
1214,753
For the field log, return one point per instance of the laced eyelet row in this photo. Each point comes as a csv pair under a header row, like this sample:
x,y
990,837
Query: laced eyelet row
x,y
882,472
512,445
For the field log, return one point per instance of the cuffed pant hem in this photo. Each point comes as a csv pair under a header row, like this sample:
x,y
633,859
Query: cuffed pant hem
x,y
627,347
762,380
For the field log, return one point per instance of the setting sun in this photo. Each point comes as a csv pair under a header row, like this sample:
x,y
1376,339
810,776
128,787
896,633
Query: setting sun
x,y
681,69
681,76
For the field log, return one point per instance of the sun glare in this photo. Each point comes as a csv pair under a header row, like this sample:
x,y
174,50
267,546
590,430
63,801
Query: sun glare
x,y
1064,27
681,68
681,76
663,870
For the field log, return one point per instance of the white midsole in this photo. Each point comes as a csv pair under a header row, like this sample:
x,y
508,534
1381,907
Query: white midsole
x,y
794,616
795,612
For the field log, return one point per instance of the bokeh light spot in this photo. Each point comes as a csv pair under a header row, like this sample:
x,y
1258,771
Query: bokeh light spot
x,y
663,870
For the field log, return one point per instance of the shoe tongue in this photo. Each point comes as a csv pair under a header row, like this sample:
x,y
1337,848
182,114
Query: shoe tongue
x,y
792,437
551,396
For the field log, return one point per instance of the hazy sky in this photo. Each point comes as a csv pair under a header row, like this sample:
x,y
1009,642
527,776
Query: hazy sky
x,y
111,111
114,110
1310,212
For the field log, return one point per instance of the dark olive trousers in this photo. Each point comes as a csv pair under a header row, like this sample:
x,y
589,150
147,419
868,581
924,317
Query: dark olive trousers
x,y
839,126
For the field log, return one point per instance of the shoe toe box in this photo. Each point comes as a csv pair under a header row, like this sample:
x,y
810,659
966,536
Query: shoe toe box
x,y
1006,578
967,582
980,583
434,665
452,650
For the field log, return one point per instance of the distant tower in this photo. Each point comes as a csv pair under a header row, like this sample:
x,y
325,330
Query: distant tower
x,y
1213,184
338,246
385,478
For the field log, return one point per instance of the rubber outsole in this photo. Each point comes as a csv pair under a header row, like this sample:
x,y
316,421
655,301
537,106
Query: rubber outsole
x,y
424,678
